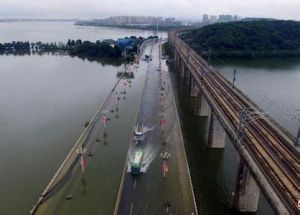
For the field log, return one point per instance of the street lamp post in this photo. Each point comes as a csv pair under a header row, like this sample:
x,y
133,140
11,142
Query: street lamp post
x,y
233,80
81,151
297,143
165,156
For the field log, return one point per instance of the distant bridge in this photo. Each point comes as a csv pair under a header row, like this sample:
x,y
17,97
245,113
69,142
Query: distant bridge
x,y
267,156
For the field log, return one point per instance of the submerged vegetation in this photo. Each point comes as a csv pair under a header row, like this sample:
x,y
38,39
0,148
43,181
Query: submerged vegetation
x,y
101,51
72,47
246,39
126,75
90,49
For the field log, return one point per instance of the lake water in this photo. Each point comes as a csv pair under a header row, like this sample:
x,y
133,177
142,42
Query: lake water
x,y
44,104
62,31
45,101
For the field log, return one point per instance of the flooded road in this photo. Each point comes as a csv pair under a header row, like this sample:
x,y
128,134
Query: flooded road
x,y
163,187
45,102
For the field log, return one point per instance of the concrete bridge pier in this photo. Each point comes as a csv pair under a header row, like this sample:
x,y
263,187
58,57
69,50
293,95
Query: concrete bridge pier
x,y
187,76
246,195
180,67
217,134
202,107
194,89
177,61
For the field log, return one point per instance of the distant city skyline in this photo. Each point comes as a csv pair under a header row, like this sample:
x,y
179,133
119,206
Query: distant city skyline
x,y
180,9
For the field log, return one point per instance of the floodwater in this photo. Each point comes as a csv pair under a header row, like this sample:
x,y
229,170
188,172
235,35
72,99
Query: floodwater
x,y
45,102
62,31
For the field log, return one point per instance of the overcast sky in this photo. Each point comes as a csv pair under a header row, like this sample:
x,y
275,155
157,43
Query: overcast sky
x,y
281,9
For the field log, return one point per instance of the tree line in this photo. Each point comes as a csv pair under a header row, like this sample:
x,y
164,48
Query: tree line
x,y
79,48
246,39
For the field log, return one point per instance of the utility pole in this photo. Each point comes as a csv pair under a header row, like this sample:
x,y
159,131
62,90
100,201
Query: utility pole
x,y
125,59
156,26
297,143
242,125
233,80
81,151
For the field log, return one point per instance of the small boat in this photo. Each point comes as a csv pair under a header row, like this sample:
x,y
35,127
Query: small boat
x,y
136,165
138,133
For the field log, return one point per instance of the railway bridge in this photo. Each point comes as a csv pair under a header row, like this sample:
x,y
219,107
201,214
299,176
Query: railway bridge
x,y
269,159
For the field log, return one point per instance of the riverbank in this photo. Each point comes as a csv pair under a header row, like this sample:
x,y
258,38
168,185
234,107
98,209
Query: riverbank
x,y
139,27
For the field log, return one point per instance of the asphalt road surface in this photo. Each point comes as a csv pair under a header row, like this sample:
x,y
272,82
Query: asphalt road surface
x,y
164,186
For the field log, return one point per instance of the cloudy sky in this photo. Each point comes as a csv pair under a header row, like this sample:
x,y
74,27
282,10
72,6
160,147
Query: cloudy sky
x,y
281,9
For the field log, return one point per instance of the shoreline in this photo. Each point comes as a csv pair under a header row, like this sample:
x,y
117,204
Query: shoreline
x,y
149,28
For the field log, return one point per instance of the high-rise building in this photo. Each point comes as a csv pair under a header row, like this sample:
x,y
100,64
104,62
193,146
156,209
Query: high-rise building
x,y
169,21
225,18
205,18
136,20
213,19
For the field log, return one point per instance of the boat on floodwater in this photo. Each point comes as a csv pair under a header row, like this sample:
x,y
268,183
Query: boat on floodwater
x,y
136,164
138,135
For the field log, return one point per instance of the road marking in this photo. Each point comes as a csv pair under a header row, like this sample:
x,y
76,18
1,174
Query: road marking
x,y
131,208
134,184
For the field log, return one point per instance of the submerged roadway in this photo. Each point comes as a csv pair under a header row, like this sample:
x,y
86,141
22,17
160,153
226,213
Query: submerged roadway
x,y
164,186
87,182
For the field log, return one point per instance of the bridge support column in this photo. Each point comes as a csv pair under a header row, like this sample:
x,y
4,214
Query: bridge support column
x,y
194,89
187,76
182,69
202,106
217,134
175,59
247,191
